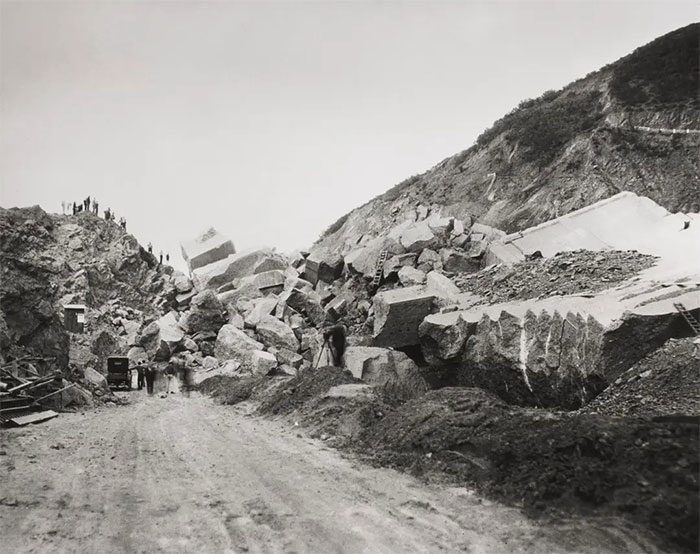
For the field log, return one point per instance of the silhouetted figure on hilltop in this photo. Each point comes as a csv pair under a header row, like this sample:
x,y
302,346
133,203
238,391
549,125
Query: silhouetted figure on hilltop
x,y
107,214
75,208
150,248
95,206
122,222
160,257
167,258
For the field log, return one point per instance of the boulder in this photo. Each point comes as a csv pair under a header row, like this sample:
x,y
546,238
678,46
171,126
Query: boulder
x,y
337,308
441,286
96,379
190,345
206,313
233,344
409,276
75,396
417,237
267,281
261,307
263,362
170,330
306,303
440,226
273,262
136,354
228,368
290,358
442,337
390,371
274,332
181,282
430,257
229,299
323,265
395,263
489,233
207,248
454,261
398,313
235,266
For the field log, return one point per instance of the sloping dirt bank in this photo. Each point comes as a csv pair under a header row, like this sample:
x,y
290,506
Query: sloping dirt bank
x,y
554,465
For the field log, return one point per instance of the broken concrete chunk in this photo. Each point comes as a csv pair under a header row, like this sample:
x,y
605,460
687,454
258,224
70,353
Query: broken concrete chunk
x,y
261,307
232,267
234,344
273,332
263,362
442,337
441,286
207,248
409,276
267,281
454,261
417,237
323,265
398,313
337,308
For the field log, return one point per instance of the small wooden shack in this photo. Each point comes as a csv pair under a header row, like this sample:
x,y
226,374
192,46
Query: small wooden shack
x,y
74,317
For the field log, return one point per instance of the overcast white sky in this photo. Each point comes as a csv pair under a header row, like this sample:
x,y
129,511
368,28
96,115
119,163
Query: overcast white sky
x,y
270,120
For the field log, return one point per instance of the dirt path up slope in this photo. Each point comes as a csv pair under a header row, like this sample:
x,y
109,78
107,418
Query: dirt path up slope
x,y
185,475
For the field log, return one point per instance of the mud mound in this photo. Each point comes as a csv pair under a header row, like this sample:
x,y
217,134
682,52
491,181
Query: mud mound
x,y
229,390
642,469
295,392
665,382
565,273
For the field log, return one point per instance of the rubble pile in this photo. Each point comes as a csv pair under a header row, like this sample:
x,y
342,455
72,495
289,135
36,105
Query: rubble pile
x,y
580,272
664,383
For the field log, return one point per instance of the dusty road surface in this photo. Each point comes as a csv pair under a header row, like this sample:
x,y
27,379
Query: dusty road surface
x,y
186,475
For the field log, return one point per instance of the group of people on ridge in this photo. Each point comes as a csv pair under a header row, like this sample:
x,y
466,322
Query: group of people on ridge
x,y
92,206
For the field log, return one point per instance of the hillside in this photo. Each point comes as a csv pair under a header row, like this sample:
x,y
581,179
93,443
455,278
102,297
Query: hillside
x,y
49,261
565,150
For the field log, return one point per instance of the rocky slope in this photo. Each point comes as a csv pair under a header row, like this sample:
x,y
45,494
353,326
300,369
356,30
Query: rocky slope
x,y
48,261
565,150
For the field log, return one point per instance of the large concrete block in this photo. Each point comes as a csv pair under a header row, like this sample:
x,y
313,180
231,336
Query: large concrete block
x,y
235,266
207,248
323,265
398,313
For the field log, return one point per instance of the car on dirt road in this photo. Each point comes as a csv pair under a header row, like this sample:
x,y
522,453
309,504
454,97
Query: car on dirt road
x,y
118,372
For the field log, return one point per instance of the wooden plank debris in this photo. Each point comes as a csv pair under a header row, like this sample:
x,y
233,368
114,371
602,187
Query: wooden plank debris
x,y
34,418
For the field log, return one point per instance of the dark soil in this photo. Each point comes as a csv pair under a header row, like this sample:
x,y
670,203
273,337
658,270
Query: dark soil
x,y
565,273
639,468
666,382
229,390
553,464
298,390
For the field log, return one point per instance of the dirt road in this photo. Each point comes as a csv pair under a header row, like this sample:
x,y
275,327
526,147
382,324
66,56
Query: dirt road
x,y
185,475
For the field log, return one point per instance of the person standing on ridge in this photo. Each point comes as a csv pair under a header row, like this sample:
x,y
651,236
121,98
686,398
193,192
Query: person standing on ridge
x,y
150,248
95,206
160,257
167,258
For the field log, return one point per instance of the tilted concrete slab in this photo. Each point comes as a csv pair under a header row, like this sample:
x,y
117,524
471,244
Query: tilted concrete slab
x,y
232,267
622,222
207,248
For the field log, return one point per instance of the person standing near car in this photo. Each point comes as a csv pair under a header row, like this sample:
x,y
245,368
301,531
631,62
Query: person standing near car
x,y
150,374
140,373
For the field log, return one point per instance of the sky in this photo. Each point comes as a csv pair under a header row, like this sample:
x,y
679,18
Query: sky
x,y
269,120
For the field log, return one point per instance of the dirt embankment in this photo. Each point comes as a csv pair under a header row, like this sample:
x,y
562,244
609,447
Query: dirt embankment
x,y
642,469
